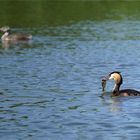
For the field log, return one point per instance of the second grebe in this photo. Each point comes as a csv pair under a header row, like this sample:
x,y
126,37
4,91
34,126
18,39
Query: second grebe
x,y
117,77
7,36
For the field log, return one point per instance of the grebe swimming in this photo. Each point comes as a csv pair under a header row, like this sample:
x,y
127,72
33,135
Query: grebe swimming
x,y
8,36
117,77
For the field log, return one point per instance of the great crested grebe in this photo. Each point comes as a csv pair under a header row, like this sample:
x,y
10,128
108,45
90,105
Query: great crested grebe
x,y
8,36
117,77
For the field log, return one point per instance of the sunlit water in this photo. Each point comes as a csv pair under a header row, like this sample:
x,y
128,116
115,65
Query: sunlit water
x,y
50,87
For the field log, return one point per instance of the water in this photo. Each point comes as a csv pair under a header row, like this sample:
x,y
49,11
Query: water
x,y
51,86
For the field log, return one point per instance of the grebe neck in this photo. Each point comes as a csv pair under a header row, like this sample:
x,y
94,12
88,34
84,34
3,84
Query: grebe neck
x,y
5,35
116,89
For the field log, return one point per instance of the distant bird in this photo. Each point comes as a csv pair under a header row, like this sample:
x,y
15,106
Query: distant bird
x,y
8,36
117,77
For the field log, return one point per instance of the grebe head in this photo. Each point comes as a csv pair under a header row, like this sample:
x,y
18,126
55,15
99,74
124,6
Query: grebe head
x,y
116,76
5,29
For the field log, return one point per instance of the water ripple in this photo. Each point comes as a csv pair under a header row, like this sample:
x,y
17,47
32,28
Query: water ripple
x,y
51,87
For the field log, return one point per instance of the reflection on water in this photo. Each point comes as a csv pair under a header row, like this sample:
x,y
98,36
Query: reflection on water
x,y
8,43
53,13
114,103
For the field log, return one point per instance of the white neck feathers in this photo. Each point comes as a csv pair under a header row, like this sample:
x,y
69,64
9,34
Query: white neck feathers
x,y
4,36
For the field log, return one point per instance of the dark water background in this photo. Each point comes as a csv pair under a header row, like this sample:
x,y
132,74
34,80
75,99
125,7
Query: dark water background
x,y
50,87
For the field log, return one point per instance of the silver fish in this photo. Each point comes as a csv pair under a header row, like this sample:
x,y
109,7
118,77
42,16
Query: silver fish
x,y
103,85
